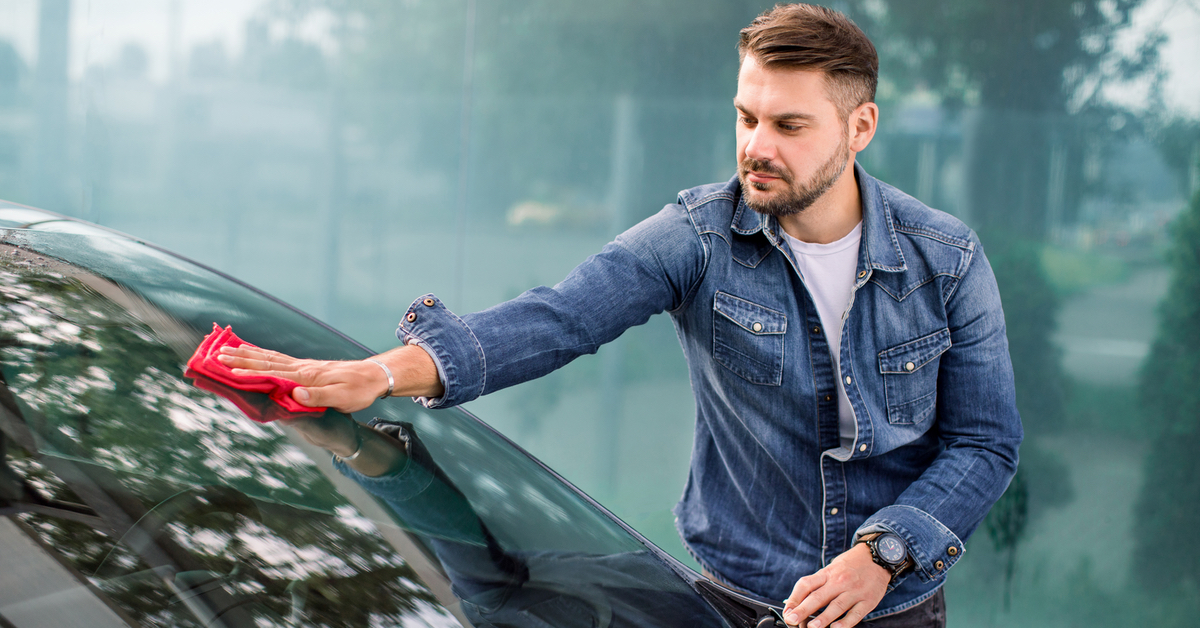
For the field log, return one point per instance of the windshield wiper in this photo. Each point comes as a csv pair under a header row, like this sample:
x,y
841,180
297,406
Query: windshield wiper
x,y
739,610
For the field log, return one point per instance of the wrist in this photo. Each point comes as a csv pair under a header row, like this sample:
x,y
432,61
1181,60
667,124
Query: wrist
x,y
389,382
888,551
416,373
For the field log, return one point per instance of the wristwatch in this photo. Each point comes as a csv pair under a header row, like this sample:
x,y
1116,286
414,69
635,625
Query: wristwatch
x,y
888,551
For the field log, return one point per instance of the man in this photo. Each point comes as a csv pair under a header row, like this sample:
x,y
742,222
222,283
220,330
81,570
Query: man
x,y
855,406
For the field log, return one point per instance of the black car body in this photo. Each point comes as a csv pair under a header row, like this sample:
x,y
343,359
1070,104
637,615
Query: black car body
x,y
133,497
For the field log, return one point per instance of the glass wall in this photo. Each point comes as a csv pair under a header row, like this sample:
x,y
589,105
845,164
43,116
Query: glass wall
x,y
351,155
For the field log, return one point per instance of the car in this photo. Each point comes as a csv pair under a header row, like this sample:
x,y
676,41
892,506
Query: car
x,y
135,495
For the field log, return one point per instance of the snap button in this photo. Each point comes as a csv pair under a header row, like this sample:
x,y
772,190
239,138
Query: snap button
x,y
847,380
953,551
757,326
862,273
816,330
909,366
939,565
412,316
828,397
428,302
833,511
862,447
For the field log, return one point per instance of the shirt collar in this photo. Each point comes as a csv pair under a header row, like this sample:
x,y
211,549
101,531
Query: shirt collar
x,y
880,247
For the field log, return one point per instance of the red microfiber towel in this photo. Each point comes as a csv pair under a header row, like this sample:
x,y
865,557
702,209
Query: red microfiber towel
x,y
204,362
258,406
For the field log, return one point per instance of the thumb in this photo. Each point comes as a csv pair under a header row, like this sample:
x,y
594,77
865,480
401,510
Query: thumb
x,y
305,397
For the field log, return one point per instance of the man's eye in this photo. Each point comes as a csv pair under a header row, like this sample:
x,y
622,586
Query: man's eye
x,y
746,121
789,127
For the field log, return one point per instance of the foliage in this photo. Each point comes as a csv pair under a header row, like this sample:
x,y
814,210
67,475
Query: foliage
x,y
1032,56
1170,399
1030,310
1071,271
1104,409
1178,140
1028,77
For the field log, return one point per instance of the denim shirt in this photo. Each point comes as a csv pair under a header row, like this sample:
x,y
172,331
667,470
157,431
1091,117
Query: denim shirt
x,y
772,495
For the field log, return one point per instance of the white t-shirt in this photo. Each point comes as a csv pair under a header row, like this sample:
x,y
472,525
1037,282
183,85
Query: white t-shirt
x,y
828,271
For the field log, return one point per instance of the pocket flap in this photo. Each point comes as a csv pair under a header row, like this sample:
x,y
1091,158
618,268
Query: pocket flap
x,y
752,317
914,354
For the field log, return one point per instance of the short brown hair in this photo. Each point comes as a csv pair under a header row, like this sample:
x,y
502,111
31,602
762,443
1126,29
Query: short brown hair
x,y
809,37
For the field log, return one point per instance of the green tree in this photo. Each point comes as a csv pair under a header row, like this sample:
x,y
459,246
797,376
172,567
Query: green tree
x,y
1029,77
1170,398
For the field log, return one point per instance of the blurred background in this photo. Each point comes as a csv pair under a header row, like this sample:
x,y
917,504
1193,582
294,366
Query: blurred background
x,y
348,156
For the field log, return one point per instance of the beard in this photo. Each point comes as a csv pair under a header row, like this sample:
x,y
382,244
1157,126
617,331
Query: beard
x,y
796,197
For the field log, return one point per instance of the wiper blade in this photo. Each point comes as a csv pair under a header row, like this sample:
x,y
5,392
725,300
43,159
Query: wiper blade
x,y
739,610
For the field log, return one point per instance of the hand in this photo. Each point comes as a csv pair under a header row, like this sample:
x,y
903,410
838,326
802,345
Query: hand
x,y
345,386
851,585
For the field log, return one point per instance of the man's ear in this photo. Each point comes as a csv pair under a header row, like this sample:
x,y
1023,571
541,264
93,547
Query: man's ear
x,y
862,124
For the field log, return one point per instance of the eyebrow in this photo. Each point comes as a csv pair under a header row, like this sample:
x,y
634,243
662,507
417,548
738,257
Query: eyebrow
x,y
780,117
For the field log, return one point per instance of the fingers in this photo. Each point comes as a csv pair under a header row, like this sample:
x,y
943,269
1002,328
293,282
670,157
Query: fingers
x,y
340,397
802,603
851,585
832,611
257,361
852,616
344,386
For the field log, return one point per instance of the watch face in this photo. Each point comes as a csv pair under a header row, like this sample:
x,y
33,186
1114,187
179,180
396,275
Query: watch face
x,y
890,548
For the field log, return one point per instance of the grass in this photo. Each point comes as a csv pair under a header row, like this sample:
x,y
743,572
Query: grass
x,y
1073,271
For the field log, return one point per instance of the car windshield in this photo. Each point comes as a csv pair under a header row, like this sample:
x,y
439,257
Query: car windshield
x,y
144,498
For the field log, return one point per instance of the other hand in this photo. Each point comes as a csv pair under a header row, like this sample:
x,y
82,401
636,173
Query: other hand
x,y
848,588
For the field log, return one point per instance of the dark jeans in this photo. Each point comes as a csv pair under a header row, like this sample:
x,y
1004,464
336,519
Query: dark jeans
x,y
928,614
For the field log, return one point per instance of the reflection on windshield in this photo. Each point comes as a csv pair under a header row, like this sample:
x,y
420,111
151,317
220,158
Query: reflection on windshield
x,y
173,507
498,585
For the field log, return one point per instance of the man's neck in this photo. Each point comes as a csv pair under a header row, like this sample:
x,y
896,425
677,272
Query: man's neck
x,y
832,216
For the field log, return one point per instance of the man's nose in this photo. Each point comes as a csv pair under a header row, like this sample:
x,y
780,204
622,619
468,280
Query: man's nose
x,y
760,145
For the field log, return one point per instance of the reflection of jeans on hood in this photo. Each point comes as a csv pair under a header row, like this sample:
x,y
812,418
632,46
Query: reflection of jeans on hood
x,y
428,504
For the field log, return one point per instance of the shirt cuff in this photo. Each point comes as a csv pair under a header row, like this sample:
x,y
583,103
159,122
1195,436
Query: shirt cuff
x,y
429,402
454,348
932,546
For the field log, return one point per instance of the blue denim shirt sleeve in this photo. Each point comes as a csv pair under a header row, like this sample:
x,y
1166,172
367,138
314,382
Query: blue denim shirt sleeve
x,y
651,268
980,430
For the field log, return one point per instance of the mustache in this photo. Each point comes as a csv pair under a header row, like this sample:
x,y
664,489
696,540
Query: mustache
x,y
765,167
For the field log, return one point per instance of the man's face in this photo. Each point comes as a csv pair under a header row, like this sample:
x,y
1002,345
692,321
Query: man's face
x,y
792,145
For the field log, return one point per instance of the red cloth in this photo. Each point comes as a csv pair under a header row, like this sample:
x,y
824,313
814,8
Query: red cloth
x,y
257,406
204,362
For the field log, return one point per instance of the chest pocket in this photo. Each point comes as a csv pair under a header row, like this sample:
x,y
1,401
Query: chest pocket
x,y
748,339
910,374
